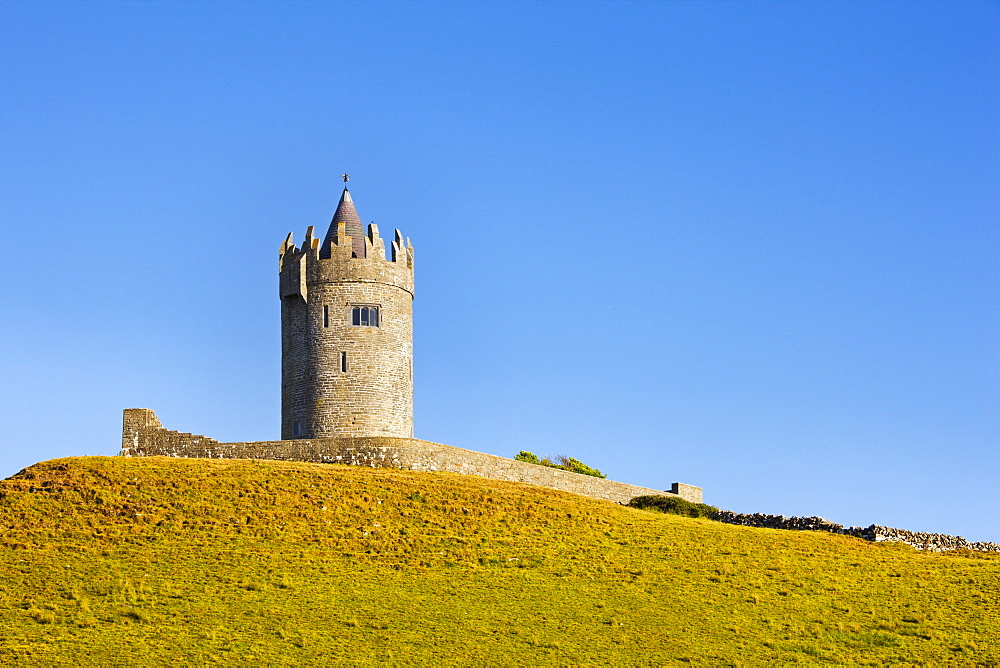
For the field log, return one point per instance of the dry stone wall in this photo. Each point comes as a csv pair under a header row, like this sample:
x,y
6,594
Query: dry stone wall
x,y
144,436
933,542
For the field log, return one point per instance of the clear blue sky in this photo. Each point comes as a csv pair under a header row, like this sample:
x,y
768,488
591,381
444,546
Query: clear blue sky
x,y
750,246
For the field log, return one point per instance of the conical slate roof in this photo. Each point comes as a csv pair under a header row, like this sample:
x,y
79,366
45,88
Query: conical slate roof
x,y
346,214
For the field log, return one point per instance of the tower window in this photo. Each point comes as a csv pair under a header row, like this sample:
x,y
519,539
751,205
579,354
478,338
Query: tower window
x,y
296,428
364,316
343,362
326,315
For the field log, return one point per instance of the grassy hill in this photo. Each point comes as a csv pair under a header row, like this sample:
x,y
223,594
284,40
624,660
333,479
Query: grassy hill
x,y
117,560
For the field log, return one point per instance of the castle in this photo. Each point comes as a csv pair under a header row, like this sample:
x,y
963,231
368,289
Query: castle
x,y
346,332
347,372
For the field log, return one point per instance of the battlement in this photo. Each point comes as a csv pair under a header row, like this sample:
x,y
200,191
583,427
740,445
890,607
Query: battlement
x,y
337,260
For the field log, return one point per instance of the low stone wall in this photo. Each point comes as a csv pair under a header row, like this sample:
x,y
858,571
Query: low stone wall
x,y
933,542
144,436
777,521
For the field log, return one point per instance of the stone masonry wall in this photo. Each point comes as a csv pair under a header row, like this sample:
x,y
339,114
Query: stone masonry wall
x,y
144,436
932,542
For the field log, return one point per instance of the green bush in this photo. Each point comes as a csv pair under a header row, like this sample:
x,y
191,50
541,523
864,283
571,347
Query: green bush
x,y
576,466
562,462
673,505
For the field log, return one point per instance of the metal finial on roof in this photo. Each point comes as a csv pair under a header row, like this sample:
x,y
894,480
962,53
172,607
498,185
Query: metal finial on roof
x,y
346,177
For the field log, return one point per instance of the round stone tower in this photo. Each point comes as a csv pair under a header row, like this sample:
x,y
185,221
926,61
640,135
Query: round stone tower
x,y
346,332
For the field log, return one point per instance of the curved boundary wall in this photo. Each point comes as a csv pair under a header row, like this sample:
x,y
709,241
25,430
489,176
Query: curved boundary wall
x,y
144,436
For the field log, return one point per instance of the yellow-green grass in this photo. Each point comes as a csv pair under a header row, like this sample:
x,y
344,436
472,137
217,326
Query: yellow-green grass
x,y
158,560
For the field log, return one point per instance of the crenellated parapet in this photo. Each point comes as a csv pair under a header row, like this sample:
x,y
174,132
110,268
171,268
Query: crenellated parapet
x,y
337,261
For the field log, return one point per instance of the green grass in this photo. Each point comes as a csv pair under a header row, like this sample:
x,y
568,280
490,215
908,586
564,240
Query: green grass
x,y
132,561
